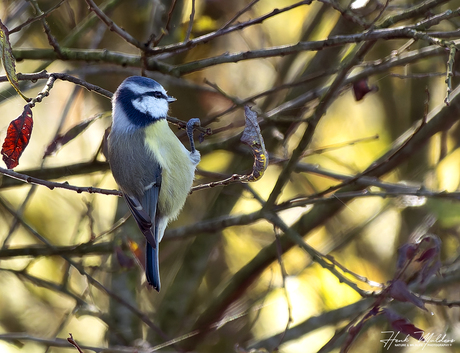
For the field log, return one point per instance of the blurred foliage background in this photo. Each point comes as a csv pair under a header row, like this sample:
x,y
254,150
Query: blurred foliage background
x,y
338,86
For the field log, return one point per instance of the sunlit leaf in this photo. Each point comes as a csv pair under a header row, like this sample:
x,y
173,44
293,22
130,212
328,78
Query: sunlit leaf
x,y
68,136
8,59
17,138
86,309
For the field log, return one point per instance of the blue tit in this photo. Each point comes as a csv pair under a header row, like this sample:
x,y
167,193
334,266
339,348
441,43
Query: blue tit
x,y
152,167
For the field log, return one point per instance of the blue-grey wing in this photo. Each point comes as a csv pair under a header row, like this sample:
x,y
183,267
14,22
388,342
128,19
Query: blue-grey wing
x,y
143,219
146,217
150,203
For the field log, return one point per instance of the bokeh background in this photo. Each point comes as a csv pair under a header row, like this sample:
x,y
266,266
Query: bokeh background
x,y
232,280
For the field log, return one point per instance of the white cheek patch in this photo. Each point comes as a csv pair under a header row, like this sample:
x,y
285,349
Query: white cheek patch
x,y
151,106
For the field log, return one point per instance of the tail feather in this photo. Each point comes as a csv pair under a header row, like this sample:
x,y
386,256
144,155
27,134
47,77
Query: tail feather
x,y
152,266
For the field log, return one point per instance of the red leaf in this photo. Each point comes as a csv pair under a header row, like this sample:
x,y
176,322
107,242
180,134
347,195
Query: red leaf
x,y
428,254
17,138
61,140
403,325
361,88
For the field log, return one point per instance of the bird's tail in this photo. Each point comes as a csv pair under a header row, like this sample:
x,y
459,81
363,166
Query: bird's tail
x,y
152,266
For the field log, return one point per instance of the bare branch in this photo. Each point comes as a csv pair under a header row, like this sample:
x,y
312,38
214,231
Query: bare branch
x,y
113,26
190,25
42,15
52,185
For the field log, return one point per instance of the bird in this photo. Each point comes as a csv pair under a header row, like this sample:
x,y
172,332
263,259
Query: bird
x,y
151,166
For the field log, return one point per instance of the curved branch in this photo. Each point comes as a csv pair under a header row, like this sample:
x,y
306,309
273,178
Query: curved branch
x,y
52,185
113,26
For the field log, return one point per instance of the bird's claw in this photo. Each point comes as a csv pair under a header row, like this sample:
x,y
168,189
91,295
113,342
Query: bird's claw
x,y
191,124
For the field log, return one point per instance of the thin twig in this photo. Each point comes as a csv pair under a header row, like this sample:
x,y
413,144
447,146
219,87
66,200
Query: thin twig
x,y
89,248
63,77
51,39
239,13
190,24
450,74
57,342
346,13
350,61
37,18
113,26
210,36
128,60
154,41
279,252
379,15
52,185
273,218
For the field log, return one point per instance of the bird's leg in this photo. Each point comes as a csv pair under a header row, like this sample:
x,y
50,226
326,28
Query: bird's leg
x,y
189,128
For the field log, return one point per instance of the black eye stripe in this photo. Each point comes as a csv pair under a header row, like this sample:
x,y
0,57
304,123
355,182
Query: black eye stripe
x,y
156,94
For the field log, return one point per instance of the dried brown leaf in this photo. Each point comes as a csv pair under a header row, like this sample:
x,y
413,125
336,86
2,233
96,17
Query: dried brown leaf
x,y
253,138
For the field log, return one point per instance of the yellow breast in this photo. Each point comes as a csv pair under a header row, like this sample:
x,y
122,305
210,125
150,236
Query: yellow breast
x,y
177,169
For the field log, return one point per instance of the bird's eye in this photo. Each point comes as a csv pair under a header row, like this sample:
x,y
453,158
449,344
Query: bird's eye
x,y
158,95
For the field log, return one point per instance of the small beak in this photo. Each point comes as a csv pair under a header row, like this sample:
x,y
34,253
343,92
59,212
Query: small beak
x,y
171,99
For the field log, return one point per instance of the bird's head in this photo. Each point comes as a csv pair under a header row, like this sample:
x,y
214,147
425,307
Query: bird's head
x,y
138,102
